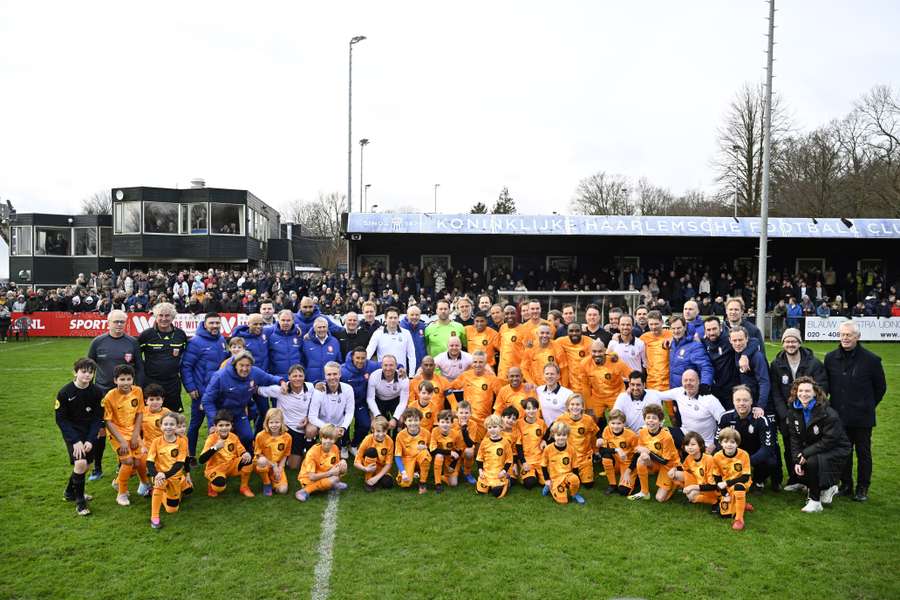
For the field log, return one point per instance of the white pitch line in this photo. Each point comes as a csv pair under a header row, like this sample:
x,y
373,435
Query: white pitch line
x,y
326,549
24,346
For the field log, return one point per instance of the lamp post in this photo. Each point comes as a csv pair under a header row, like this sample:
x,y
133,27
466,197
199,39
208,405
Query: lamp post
x,y
353,40
366,195
362,144
735,148
436,186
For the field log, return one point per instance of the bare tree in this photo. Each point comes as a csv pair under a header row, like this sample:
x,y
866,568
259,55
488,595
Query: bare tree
x,y
740,155
98,203
321,219
697,203
808,179
880,112
653,199
602,194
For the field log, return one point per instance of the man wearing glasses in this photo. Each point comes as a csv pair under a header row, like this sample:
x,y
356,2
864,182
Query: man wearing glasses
x,y
110,350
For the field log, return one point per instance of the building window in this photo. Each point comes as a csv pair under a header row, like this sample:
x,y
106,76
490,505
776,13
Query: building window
x,y
259,225
85,241
227,219
106,241
20,241
51,241
160,217
194,218
127,217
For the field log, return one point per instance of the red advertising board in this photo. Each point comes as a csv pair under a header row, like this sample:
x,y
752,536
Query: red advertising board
x,y
64,324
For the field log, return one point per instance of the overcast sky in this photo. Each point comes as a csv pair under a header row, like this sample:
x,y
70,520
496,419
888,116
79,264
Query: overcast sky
x,y
472,95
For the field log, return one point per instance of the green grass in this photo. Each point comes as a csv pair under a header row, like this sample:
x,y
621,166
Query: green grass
x,y
393,544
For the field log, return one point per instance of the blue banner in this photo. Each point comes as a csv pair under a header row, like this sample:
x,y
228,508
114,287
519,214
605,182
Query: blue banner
x,y
725,227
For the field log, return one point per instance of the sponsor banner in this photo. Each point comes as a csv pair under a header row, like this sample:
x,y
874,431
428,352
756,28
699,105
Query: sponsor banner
x,y
64,324
715,227
871,329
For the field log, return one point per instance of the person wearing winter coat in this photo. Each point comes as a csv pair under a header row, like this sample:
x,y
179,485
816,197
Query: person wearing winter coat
x,y
285,344
233,389
205,352
819,445
857,385
684,354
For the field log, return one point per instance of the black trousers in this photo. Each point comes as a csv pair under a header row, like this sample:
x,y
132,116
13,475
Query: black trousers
x,y
785,430
861,440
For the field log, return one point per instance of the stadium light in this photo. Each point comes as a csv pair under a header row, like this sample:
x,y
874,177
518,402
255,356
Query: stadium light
x,y
362,144
353,40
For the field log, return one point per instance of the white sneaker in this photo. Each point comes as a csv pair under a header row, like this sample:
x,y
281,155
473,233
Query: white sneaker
x,y
828,495
812,506
144,489
122,500
639,496
354,450
344,453
794,487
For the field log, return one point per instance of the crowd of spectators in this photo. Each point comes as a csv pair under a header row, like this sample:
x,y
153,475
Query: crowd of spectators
x,y
662,287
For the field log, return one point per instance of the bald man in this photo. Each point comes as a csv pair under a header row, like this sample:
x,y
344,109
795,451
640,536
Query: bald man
x,y
693,321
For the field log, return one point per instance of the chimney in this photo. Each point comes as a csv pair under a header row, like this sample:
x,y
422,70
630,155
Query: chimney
x,y
197,183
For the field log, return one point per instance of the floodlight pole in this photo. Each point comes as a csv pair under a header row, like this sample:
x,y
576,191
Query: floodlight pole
x,y
764,204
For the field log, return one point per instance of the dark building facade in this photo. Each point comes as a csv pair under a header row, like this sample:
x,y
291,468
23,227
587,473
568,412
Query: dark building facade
x,y
150,227
49,249
520,243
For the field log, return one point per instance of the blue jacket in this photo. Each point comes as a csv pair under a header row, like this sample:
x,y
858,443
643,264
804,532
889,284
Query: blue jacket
x,y
305,323
285,350
228,391
752,329
794,313
257,345
687,354
202,358
358,379
418,337
316,354
757,379
696,326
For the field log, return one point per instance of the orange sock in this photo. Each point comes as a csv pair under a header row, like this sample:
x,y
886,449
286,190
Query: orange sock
x,y
438,469
245,475
467,464
610,469
740,504
264,475
125,472
156,502
424,467
644,478
141,467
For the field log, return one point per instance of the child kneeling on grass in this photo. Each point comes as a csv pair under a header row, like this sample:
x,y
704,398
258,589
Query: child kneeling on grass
x,y
165,465
699,472
225,456
272,448
655,453
494,459
558,464
374,455
323,466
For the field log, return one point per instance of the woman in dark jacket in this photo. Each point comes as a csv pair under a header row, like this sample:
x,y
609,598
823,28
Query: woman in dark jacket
x,y
819,445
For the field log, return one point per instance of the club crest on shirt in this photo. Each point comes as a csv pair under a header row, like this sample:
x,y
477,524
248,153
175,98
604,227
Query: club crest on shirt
x,y
499,451
484,387
384,451
175,351
815,430
607,376
134,402
334,460
128,356
281,446
173,452
581,431
750,429
738,467
231,447
681,353
565,460
330,349
513,339
701,471
622,445
581,353
785,379
657,445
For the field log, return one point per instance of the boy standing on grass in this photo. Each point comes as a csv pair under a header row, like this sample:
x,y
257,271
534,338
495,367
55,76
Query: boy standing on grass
x,y
734,465
494,460
79,416
447,447
411,453
123,412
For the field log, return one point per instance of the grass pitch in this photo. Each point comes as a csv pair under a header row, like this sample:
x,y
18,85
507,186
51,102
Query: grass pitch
x,y
393,544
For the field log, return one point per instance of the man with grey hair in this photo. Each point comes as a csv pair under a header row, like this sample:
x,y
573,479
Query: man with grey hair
x,y
857,384
319,348
334,404
162,346
110,350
